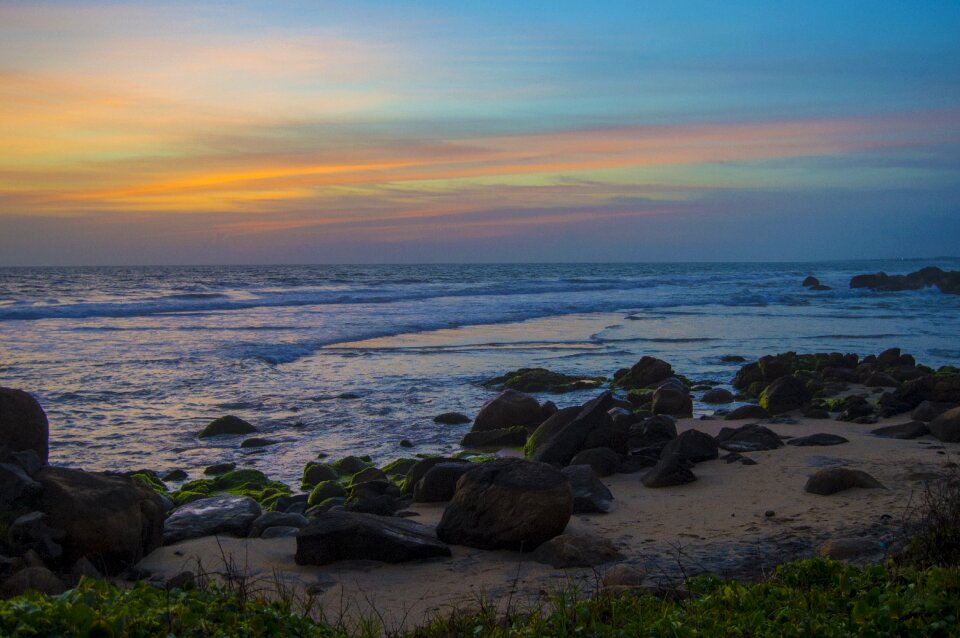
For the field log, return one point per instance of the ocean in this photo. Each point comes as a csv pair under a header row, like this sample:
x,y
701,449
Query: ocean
x,y
131,362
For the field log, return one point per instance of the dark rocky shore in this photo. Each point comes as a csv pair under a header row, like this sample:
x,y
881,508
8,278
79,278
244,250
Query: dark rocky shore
x,y
59,524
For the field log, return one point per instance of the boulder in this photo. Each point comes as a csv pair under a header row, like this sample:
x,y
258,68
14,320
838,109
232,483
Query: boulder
x,y
748,438
671,470
911,430
227,515
218,469
785,394
541,380
337,536
111,519
228,424
603,460
838,479
929,410
349,465
507,503
23,423
39,579
820,438
506,410
256,442
315,473
31,532
693,445
717,395
669,399
647,372
810,281
324,490
880,380
367,475
275,519
590,495
419,470
576,550
16,486
440,482
563,446
946,427
550,427
746,412
653,432
451,418
505,437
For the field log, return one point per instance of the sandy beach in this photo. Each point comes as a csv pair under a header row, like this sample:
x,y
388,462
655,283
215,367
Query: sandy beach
x,y
736,520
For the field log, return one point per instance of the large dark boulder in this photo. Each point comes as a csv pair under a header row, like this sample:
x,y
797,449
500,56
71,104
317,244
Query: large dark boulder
x,y
590,495
929,410
647,372
717,395
837,479
38,579
16,486
670,471
507,504
111,519
505,437
508,409
336,536
655,431
748,438
946,427
550,427
420,469
673,400
451,418
603,460
226,515
23,423
810,281
746,412
560,448
228,424
910,430
440,482
276,519
693,445
785,394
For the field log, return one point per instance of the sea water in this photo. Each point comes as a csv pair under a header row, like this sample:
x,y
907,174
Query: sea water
x,y
130,363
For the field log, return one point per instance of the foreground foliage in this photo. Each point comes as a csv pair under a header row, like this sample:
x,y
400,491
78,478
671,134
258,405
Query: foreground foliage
x,y
805,598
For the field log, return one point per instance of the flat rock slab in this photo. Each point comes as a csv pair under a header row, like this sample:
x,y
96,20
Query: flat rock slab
x,y
228,515
339,536
911,430
821,438
576,550
748,438
839,479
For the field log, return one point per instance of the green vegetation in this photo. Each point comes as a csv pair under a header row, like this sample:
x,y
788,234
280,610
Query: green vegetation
x,y
238,483
542,380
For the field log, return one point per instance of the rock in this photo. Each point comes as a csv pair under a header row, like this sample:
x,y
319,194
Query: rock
x,y
563,446
816,413
315,473
451,418
783,395
855,407
604,461
111,519
717,395
174,476
505,437
946,427
590,495
275,519
732,358
929,410
228,424
337,536
550,427
506,410
810,281
693,445
349,465
379,504
23,423
911,430
576,550
548,409
183,581
838,479
820,288
655,431
16,486
889,357
83,568
280,531
38,579
845,548
668,399
440,482
881,380
507,504
671,470
227,515
367,475
257,442
746,412
542,380
31,532
324,490
615,436
820,438
407,443
647,372
623,576
748,438
419,470
775,366
219,468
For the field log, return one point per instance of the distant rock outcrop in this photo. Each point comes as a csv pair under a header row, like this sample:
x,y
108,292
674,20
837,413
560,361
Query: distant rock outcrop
x,y
946,281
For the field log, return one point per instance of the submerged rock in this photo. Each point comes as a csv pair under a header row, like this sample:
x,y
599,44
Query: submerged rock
x,y
228,424
451,418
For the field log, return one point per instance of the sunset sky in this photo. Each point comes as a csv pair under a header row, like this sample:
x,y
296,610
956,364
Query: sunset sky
x,y
235,132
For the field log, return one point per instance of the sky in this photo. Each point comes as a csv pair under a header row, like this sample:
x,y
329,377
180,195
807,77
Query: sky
x,y
314,132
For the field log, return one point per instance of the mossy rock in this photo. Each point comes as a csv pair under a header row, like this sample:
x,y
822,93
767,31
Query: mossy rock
x,y
542,380
504,437
451,418
399,467
228,424
315,473
350,465
151,481
252,483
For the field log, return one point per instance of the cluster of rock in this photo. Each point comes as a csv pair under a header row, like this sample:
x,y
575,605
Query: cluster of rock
x,y
947,281
61,523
